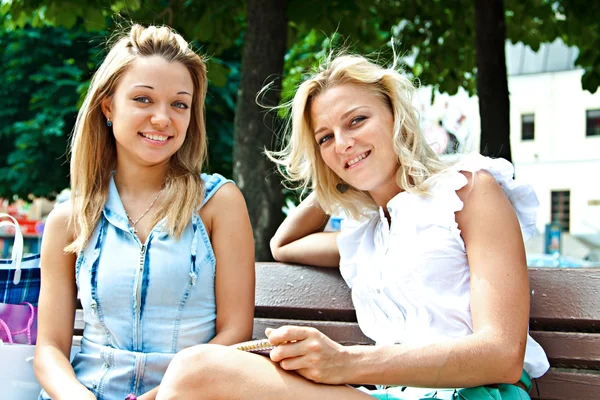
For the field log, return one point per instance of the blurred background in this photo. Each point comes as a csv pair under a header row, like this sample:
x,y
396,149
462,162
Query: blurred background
x,y
512,79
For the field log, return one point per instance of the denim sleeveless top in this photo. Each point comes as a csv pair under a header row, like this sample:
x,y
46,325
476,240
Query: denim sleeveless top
x,y
142,302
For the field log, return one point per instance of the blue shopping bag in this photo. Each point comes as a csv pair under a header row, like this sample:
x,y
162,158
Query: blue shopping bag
x,y
19,276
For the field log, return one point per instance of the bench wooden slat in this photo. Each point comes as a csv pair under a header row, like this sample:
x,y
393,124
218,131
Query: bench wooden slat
x,y
565,298
346,333
306,298
557,384
570,349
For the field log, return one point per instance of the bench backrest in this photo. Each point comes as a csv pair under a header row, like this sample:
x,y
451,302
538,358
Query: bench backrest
x,y
564,318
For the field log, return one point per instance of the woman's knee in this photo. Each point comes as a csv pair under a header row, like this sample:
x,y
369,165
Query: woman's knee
x,y
198,369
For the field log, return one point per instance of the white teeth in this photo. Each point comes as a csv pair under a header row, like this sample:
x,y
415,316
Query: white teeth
x,y
357,159
155,137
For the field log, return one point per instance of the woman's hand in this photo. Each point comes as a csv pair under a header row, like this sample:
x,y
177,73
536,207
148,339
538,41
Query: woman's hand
x,y
309,353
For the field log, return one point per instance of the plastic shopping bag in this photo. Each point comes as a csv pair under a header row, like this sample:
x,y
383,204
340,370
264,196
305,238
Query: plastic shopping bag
x,y
17,379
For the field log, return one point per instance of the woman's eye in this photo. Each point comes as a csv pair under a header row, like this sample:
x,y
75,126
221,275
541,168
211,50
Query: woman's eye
x,y
357,120
325,139
142,99
181,105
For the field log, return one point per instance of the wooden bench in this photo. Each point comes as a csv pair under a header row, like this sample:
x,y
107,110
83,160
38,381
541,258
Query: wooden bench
x,y
564,318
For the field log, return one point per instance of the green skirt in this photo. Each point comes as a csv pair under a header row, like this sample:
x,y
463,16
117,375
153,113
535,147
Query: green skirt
x,y
501,392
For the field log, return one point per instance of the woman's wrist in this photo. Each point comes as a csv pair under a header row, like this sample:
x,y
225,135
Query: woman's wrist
x,y
357,361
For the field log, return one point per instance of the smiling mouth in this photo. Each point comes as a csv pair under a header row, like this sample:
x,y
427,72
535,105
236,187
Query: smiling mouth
x,y
156,138
357,159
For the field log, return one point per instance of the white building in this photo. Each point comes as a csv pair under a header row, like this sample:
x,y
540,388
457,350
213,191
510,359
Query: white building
x,y
555,134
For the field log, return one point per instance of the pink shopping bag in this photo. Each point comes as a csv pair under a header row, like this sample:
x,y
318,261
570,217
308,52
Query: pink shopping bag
x,y
18,323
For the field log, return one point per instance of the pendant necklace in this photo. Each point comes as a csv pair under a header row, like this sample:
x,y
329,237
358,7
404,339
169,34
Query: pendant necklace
x,y
134,223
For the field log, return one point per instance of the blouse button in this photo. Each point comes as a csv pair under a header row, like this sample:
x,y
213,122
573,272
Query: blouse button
x,y
378,290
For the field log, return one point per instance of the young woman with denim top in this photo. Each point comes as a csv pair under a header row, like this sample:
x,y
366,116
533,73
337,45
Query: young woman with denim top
x,y
146,241
432,250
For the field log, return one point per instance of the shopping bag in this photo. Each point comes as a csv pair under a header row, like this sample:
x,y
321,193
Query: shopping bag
x,y
17,379
19,276
18,323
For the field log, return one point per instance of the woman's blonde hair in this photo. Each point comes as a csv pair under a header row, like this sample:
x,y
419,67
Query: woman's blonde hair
x,y
300,161
93,147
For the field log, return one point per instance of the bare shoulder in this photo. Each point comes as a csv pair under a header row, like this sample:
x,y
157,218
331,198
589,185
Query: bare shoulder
x,y
62,211
58,221
227,205
484,203
479,184
227,198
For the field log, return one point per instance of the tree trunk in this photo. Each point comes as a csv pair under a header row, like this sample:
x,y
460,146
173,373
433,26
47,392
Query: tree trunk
x,y
492,84
254,128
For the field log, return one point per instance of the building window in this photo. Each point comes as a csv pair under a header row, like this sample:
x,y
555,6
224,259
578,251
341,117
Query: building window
x,y
561,201
527,126
592,123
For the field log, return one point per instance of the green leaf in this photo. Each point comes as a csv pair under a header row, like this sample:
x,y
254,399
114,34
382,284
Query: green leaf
x,y
590,80
94,20
216,73
204,29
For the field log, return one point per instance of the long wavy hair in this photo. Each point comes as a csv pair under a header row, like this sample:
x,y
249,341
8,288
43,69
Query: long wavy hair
x,y
300,161
93,147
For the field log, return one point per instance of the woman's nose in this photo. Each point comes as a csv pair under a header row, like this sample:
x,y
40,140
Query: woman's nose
x,y
343,142
161,117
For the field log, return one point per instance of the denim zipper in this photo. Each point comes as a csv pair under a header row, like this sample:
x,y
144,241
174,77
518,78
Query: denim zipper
x,y
138,297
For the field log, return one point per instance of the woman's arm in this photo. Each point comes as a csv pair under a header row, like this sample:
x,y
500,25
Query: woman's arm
x,y
56,311
300,238
495,351
233,244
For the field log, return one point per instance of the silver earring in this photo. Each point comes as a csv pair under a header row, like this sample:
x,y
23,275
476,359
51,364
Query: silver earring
x,y
109,123
342,187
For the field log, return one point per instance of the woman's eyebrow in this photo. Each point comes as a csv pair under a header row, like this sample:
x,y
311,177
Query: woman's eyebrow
x,y
152,88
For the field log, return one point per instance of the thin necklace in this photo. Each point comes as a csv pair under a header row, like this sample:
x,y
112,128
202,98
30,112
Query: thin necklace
x,y
143,214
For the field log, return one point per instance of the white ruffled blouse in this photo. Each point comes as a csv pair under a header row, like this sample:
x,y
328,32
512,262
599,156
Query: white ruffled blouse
x,y
411,281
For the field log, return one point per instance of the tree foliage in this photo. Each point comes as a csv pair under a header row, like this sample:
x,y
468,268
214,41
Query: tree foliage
x,y
579,23
44,74
437,36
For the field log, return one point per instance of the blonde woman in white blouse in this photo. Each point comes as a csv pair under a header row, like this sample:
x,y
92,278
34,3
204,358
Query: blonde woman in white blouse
x,y
433,253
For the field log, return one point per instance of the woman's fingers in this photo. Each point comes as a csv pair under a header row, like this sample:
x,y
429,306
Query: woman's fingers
x,y
306,351
289,333
289,350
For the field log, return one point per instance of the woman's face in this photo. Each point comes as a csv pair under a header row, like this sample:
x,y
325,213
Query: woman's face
x,y
353,128
150,110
